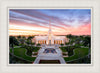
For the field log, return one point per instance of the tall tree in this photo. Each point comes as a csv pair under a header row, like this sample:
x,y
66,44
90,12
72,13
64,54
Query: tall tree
x,y
87,41
30,37
30,40
69,36
18,37
13,41
22,41
27,42
24,37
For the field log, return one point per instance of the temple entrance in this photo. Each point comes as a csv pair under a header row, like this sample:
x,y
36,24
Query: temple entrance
x,y
49,42
57,41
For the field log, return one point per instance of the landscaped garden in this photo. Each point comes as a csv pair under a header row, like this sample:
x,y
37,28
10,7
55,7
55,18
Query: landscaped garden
x,y
16,60
78,53
21,49
78,49
21,53
63,49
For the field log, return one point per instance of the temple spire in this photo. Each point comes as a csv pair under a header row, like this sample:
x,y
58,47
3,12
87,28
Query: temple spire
x,y
49,25
49,33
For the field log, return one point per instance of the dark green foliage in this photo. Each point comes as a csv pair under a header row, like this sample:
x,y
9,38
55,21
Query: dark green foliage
x,y
62,44
68,49
87,41
64,49
66,43
31,49
28,42
23,37
79,40
35,49
18,37
38,44
13,41
16,60
69,36
22,53
33,43
30,37
78,53
22,41
77,47
85,60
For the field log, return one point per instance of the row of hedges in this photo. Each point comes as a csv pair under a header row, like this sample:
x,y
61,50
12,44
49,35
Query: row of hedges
x,y
68,49
86,60
78,53
16,60
63,49
21,53
31,49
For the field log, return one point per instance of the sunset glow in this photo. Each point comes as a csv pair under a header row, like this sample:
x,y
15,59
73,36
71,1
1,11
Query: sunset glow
x,y
36,21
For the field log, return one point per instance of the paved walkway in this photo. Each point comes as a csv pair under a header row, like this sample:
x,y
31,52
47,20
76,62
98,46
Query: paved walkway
x,y
50,56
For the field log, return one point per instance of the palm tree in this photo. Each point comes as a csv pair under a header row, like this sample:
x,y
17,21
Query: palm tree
x,y
19,37
62,44
33,43
24,37
22,41
87,41
30,39
27,42
69,36
13,41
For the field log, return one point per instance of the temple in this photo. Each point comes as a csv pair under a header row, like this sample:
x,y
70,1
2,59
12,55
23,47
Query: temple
x,y
50,50
50,38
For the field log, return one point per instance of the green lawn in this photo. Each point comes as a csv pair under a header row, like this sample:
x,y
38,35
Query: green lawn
x,y
20,52
79,52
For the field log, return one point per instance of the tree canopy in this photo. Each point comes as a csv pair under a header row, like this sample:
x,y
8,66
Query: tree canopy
x,y
13,40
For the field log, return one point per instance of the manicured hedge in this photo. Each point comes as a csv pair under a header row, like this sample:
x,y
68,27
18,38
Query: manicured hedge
x,y
63,49
78,53
35,49
21,52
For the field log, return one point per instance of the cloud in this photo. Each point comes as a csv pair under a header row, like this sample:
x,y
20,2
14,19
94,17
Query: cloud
x,y
63,21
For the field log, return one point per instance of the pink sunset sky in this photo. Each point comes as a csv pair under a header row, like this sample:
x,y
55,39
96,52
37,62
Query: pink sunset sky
x,y
36,21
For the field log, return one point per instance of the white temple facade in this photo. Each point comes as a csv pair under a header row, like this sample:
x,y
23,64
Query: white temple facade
x,y
54,40
50,38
